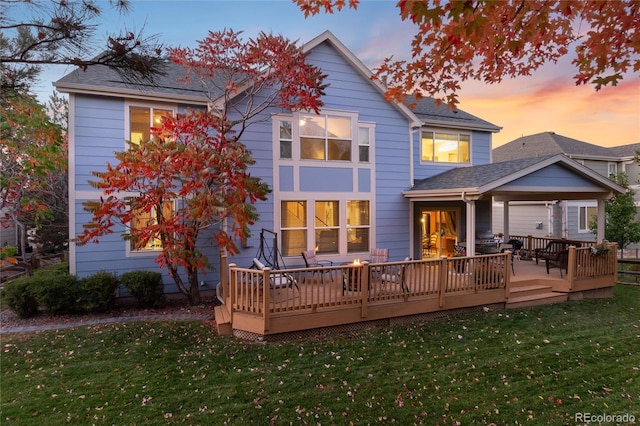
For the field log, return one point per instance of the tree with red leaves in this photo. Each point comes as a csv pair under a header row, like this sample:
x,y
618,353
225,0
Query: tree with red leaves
x,y
489,40
196,162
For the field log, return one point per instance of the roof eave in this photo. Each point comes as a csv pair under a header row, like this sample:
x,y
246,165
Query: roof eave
x,y
128,93
458,125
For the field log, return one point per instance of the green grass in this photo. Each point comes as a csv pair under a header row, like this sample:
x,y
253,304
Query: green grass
x,y
536,366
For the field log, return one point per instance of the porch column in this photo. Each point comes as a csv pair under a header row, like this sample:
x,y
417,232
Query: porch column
x,y
505,221
600,230
471,227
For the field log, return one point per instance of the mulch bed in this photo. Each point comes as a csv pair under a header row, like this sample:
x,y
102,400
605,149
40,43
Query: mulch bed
x,y
174,307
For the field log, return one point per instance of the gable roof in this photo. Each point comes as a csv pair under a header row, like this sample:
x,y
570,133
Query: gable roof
x,y
486,180
100,79
550,143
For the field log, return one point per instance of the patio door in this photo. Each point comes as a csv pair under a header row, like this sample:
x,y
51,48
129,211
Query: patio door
x,y
439,232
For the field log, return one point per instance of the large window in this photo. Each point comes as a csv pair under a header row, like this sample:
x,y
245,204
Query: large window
x,y
293,227
141,119
443,147
336,227
358,226
586,215
142,220
327,226
325,137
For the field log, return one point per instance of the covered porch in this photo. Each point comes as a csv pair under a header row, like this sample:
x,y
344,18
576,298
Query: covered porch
x,y
258,304
460,199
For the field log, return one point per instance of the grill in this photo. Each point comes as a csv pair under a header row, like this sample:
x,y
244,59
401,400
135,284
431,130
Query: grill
x,y
486,242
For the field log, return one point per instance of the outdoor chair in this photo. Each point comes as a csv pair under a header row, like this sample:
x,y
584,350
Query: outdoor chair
x,y
277,279
395,274
311,261
377,255
558,260
508,247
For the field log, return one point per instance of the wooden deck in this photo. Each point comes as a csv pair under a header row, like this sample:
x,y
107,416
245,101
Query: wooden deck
x,y
261,303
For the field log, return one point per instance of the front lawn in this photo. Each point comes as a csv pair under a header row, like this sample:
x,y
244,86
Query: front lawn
x,y
557,364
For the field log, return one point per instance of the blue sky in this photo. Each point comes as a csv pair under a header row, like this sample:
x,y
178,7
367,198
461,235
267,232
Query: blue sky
x,y
548,101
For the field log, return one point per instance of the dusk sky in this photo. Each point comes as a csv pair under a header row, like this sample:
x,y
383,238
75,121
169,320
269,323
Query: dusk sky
x,y
547,101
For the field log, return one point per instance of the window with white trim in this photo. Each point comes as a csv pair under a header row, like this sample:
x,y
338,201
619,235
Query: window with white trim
x,y
364,144
445,147
293,227
142,119
613,169
327,226
143,222
358,226
325,137
585,216
286,139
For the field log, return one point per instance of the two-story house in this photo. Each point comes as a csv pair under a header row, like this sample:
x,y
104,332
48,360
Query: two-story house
x,y
563,218
362,174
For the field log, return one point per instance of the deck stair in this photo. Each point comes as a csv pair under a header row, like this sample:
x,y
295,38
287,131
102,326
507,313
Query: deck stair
x,y
533,295
223,321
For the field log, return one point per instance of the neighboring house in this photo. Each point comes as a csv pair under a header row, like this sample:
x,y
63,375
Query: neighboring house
x,y
563,217
8,231
373,192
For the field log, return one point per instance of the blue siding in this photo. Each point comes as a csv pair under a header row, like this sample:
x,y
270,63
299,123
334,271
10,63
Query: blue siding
x,y
286,178
99,132
364,180
326,179
554,176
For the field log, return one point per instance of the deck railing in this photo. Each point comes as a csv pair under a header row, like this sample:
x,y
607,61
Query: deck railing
x,y
274,291
531,243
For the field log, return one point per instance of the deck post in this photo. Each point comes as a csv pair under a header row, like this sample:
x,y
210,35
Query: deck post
x,y
571,266
266,292
507,274
364,293
444,274
232,288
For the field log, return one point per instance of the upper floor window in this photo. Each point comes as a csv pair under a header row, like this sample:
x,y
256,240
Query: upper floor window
x,y
441,147
325,137
364,144
613,169
286,139
142,119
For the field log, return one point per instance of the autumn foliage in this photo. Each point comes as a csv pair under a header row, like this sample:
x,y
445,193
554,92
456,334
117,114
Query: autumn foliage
x,y
196,163
487,41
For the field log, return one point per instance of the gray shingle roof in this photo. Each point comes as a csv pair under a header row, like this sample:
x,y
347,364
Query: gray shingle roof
x,y
103,78
549,143
476,176
428,111
625,150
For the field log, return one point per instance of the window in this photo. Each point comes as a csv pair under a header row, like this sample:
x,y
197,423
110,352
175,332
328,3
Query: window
x,y
141,119
286,139
613,169
358,224
363,144
325,137
293,227
327,226
442,147
141,220
586,216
